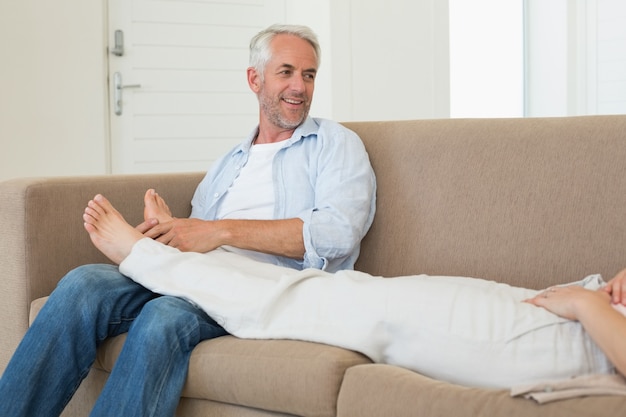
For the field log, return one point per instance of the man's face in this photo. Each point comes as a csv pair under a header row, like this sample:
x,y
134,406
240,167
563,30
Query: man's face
x,y
286,92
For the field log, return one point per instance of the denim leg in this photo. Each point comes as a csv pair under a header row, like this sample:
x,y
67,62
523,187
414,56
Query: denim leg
x,y
150,372
90,303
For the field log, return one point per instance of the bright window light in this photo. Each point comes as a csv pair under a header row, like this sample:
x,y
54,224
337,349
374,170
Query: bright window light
x,y
486,58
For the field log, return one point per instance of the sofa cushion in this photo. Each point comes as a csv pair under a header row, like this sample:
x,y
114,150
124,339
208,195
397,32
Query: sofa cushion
x,y
531,202
287,376
375,390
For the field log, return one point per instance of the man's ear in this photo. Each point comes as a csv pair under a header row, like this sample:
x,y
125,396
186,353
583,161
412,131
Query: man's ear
x,y
254,80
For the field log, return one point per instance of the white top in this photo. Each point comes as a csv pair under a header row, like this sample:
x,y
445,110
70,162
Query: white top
x,y
252,194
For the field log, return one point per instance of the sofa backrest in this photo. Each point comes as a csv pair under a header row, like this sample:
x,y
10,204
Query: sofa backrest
x,y
529,201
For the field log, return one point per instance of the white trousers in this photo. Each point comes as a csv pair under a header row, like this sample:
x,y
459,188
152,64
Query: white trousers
x,y
461,330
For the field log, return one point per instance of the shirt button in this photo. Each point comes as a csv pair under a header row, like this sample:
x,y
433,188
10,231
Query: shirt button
x,y
216,195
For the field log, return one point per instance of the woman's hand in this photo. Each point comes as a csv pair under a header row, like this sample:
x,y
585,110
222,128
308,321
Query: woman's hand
x,y
569,301
593,310
617,288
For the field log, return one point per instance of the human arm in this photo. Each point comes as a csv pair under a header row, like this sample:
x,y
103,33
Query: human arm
x,y
339,208
616,287
592,308
275,237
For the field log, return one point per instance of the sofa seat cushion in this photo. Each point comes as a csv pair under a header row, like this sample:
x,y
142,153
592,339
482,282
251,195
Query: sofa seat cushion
x,y
374,390
286,376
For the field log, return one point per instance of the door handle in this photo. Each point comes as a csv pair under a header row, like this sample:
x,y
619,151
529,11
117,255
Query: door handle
x,y
118,48
117,92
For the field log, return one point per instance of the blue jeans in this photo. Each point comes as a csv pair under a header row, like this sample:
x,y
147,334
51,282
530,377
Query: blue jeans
x,y
90,304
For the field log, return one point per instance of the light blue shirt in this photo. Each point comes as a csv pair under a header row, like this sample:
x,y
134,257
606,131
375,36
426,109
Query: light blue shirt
x,y
322,176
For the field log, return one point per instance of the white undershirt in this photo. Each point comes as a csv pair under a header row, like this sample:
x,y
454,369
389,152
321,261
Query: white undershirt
x,y
251,196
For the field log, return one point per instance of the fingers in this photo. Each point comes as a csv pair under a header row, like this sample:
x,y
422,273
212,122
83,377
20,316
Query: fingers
x,y
161,235
540,299
166,239
160,232
147,225
617,288
532,301
617,291
155,231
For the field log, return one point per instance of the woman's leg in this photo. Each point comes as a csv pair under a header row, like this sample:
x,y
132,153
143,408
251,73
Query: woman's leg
x,y
463,330
91,303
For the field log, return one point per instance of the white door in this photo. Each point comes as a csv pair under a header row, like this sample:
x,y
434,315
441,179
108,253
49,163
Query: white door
x,y
177,80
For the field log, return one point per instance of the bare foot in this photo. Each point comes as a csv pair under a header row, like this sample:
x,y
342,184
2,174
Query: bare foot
x,y
108,230
155,207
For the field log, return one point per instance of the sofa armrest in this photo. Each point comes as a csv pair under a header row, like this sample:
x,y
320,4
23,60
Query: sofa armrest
x,y
43,236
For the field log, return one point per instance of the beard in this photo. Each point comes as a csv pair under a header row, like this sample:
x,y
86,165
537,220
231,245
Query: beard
x,y
272,109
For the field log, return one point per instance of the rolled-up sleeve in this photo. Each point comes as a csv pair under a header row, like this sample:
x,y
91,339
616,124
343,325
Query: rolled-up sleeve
x,y
343,203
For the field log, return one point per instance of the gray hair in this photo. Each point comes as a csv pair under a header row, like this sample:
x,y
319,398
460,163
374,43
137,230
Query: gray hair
x,y
261,53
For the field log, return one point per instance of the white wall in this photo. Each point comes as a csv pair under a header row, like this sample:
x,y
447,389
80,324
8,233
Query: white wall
x,y
549,89
575,57
381,60
606,71
52,88
391,59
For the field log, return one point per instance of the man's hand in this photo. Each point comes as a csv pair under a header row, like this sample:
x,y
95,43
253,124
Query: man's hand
x,y
188,235
276,237
146,225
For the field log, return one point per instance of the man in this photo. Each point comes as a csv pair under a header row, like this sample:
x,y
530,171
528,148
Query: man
x,y
298,192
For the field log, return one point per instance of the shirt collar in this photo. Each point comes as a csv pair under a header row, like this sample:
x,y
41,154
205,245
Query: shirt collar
x,y
307,128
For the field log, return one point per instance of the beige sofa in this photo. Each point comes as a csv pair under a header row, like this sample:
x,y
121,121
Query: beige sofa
x,y
532,202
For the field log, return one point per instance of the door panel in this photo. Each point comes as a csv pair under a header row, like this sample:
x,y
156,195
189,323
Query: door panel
x,y
190,59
